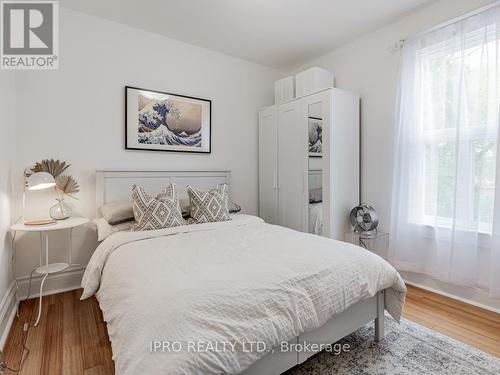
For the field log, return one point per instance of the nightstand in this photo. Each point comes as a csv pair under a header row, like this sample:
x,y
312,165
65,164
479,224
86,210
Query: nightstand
x,y
377,243
47,268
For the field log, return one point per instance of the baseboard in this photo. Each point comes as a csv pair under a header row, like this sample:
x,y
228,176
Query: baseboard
x,y
8,307
56,283
453,296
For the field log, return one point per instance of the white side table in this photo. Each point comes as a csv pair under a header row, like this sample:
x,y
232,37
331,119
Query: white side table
x,y
50,268
377,242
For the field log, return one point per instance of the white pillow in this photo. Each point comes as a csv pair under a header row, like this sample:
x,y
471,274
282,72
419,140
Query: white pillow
x,y
104,229
118,212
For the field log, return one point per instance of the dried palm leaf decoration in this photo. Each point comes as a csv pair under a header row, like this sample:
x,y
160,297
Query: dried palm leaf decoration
x,y
65,184
54,167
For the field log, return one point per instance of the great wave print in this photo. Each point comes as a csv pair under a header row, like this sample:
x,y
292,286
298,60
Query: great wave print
x,y
315,136
166,122
169,122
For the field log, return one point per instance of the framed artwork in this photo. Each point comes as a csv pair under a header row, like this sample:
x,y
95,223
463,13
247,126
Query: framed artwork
x,y
159,121
315,137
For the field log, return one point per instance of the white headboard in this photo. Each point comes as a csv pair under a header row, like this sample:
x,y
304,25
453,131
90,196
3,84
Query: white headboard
x,y
117,185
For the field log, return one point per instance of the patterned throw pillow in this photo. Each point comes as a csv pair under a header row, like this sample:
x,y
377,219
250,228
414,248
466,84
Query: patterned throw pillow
x,y
162,211
209,206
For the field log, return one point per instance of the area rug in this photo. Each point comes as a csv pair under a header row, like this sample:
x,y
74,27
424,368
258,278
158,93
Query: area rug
x,y
408,349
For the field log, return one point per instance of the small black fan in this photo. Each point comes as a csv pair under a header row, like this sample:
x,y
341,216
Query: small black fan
x,y
364,219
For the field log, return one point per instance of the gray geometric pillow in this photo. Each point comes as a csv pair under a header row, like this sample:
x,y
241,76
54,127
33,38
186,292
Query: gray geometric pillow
x,y
209,206
162,211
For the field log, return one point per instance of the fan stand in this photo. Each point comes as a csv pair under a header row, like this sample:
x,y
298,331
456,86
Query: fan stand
x,y
366,236
369,234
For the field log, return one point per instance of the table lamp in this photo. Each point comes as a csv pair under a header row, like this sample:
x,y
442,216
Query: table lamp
x,y
38,181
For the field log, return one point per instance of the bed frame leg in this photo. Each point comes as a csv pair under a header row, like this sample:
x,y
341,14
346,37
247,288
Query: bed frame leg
x,y
379,320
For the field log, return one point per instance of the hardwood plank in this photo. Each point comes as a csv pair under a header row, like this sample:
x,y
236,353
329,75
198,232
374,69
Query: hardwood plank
x,y
72,360
92,353
53,340
96,370
35,340
71,322
72,337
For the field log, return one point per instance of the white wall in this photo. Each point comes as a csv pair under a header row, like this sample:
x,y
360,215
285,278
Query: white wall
x,y
77,113
368,67
7,104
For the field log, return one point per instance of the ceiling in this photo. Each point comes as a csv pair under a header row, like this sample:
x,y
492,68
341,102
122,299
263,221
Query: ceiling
x,y
279,33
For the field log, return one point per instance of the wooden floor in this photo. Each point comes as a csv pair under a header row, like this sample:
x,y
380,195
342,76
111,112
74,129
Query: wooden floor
x,y
72,338
474,326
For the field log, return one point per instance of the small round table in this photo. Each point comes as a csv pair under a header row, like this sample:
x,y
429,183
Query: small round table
x,y
49,268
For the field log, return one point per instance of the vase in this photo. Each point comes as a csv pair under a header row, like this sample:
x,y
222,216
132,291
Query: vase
x,y
60,210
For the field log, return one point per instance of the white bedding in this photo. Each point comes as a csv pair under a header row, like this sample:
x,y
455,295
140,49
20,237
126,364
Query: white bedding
x,y
235,281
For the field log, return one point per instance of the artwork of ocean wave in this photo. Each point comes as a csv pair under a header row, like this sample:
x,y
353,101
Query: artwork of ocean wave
x,y
163,136
315,137
165,122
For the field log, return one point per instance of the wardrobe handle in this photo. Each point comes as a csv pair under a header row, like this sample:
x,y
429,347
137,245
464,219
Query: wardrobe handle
x,y
304,179
275,182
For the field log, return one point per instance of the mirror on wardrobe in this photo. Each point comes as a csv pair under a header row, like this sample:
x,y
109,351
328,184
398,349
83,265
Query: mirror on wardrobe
x,y
315,149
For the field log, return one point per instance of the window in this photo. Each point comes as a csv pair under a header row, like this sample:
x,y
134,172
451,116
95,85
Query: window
x,y
445,209
456,119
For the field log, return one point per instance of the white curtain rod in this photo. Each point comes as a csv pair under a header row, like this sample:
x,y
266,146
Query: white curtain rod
x,y
399,44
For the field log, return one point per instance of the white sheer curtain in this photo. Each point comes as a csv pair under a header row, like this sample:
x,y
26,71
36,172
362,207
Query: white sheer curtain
x,y
446,187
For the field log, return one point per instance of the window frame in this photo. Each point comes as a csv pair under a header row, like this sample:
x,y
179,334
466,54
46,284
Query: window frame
x,y
432,138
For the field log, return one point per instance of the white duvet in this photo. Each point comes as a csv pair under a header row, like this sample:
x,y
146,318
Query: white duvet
x,y
239,281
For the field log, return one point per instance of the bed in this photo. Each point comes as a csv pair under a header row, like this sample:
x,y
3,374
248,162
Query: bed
x,y
254,288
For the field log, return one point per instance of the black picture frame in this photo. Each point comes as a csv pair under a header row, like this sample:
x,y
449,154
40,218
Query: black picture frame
x,y
194,151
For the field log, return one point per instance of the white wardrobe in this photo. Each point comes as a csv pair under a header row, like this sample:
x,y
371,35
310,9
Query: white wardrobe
x,y
309,162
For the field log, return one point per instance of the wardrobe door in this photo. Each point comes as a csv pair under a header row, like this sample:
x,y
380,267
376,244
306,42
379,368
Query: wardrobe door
x,y
293,165
337,113
318,117
268,165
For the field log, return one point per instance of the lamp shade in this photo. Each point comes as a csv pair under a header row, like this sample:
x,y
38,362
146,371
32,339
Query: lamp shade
x,y
40,180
